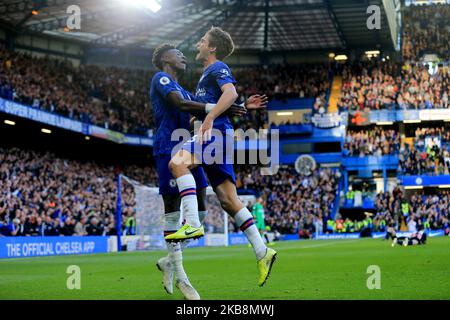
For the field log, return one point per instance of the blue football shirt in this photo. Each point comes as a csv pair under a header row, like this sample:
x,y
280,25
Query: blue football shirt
x,y
209,90
167,118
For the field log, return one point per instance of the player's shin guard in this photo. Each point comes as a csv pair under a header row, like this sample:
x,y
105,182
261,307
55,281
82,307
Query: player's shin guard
x,y
188,194
246,223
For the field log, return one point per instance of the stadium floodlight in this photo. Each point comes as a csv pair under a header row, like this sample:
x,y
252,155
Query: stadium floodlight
x,y
285,113
9,122
153,5
373,52
413,187
43,130
444,186
384,123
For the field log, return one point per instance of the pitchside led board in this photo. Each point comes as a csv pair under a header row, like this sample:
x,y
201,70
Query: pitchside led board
x,y
23,247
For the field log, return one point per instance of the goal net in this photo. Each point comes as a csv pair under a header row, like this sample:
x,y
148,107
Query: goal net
x,y
149,208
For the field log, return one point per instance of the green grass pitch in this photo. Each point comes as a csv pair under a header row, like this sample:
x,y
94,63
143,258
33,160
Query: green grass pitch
x,y
323,269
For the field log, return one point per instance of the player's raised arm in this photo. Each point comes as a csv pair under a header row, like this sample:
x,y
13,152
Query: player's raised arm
x,y
228,97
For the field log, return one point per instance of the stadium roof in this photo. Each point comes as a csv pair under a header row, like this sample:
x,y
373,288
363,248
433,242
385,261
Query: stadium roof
x,y
274,25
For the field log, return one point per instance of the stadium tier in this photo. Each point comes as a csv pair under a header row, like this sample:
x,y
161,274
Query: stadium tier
x,y
116,99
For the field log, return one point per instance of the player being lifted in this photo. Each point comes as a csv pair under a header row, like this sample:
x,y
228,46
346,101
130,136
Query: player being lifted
x,y
216,86
172,105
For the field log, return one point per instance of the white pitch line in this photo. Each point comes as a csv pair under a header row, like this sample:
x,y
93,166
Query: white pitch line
x,y
321,244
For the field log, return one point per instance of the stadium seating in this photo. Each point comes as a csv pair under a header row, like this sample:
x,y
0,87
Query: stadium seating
x,y
48,195
425,32
42,194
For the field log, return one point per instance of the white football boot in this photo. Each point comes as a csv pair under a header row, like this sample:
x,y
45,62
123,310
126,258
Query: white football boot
x,y
164,266
187,290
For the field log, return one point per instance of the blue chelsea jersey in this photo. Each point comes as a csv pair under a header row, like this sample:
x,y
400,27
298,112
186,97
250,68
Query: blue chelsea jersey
x,y
167,117
209,90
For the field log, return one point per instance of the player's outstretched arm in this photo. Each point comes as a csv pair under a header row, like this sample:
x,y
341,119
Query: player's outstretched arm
x,y
176,99
227,99
195,108
256,102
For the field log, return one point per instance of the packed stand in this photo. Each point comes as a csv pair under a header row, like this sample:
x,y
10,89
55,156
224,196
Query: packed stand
x,y
118,99
377,85
430,154
293,203
373,142
429,212
112,98
421,134
41,194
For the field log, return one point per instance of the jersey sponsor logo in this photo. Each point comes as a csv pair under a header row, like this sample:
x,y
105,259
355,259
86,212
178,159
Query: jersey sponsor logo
x,y
200,92
164,81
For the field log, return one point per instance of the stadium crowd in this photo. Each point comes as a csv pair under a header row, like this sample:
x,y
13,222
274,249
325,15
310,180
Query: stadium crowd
x,y
425,30
432,211
377,85
420,135
109,97
430,153
41,194
293,203
118,99
376,142
284,81
431,160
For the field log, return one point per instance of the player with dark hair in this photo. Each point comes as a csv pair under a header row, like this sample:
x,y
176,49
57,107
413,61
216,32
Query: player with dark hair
x,y
171,104
216,86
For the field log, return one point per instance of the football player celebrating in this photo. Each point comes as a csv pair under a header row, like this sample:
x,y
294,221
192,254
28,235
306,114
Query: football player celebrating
x,y
172,105
216,89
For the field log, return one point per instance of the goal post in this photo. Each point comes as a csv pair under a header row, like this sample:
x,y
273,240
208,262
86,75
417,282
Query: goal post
x,y
149,216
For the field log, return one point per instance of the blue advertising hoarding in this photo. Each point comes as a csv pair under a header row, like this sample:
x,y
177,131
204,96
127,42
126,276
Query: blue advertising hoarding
x,y
425,181
22,247
35,114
